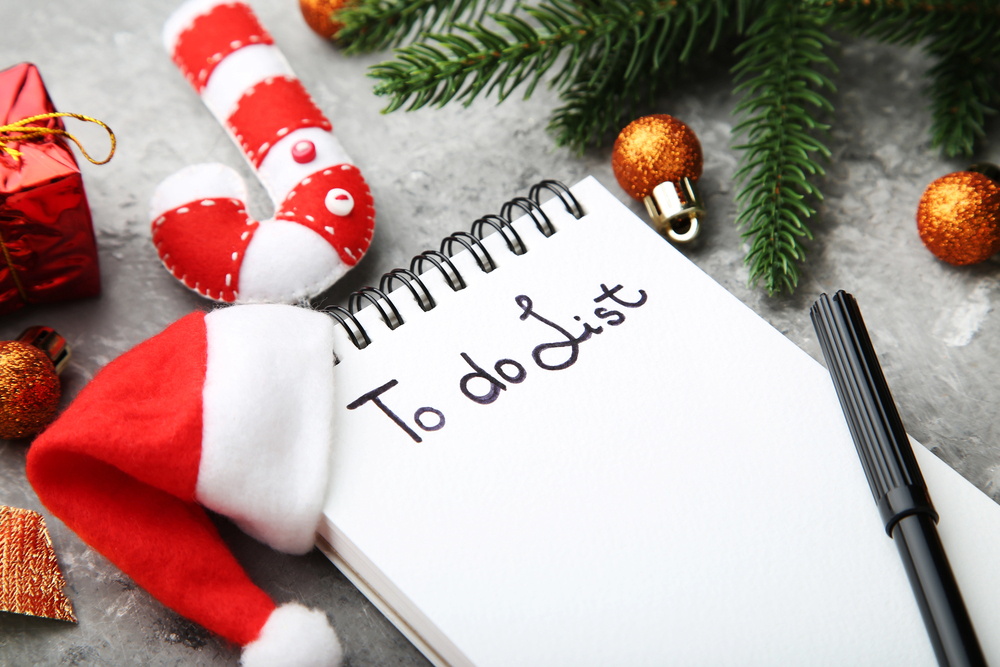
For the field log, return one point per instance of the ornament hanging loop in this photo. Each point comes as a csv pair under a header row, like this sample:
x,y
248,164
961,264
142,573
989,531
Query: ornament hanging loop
x,y
673,216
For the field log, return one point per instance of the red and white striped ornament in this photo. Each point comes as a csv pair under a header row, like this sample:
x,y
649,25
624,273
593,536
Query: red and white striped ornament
x,y
324,214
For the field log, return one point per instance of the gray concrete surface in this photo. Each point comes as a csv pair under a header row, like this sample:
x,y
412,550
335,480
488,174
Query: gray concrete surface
x,y
433,172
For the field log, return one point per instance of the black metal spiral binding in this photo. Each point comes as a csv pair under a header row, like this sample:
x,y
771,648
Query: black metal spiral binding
x,y
426,300
441,259
485,262
502,225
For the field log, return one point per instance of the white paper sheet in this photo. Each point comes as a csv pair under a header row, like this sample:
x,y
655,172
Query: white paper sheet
x,y
686,492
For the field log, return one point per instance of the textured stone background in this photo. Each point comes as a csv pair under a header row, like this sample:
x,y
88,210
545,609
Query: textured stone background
x,y
433,172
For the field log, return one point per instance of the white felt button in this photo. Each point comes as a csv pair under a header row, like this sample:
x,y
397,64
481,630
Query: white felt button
x,y
339,201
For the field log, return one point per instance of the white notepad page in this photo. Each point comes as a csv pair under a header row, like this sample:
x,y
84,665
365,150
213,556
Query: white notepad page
x,y
686,492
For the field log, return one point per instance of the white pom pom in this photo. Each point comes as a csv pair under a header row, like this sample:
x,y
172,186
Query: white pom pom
x,y
294,637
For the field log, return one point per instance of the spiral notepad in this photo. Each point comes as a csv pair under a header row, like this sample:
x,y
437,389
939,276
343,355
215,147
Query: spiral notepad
x,y
558,442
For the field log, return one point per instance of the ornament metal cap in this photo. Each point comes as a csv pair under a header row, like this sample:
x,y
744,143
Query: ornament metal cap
x,y
48,341
679,221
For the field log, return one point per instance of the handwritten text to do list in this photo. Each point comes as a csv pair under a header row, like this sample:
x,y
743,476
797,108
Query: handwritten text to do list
x,y
484,387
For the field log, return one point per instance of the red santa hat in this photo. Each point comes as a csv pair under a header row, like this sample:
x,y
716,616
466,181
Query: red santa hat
x,y
230,411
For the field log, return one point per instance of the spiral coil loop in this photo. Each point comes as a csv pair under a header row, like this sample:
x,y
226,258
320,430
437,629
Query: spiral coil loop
x,y
441,259
426,300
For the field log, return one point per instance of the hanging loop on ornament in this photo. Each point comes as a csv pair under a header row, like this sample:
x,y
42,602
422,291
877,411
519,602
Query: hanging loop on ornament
x,y
677,219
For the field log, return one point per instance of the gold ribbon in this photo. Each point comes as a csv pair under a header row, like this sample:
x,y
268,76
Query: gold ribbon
x,y
22,130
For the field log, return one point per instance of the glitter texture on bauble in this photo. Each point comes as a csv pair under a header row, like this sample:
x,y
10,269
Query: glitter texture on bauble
x,y
29,390
958,217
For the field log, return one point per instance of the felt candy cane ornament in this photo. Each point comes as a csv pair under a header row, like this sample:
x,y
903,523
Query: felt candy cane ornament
x,y
324,216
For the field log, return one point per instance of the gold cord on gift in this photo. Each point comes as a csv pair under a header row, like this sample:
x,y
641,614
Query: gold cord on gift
x,y
22,130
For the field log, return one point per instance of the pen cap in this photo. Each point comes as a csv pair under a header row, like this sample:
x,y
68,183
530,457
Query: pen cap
x,y
878,433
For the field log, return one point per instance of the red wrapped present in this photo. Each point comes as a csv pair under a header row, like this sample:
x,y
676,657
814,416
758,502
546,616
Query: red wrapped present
x,y
46,236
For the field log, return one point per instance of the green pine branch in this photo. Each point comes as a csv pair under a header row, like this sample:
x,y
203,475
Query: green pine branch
x,y
374,25
780,80
610,87
964,39
965,87
593,49
609,58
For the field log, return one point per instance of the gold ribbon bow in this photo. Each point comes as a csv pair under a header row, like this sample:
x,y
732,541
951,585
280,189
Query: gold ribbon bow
x,y
22,130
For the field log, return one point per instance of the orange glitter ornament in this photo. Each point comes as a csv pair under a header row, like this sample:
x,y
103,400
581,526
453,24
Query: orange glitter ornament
x,y
657,159
958,217
29,381
317,15
29,390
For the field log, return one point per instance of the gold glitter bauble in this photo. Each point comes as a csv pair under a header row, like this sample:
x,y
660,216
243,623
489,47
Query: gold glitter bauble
x,y
317,15
959,218
29,390
654,150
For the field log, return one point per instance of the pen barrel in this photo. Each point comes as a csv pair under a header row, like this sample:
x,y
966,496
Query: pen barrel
x,y
894,477
945,616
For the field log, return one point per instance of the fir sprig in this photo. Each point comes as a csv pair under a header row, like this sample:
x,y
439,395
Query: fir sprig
x,y
607,57
608,53
779,69
607,90
964,40
379,24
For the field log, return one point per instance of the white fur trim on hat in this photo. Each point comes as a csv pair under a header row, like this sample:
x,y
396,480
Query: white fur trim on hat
x,y
294,637
267,421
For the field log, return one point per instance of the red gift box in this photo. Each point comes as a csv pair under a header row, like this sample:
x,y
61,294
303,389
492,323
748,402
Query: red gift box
x,y
46,236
